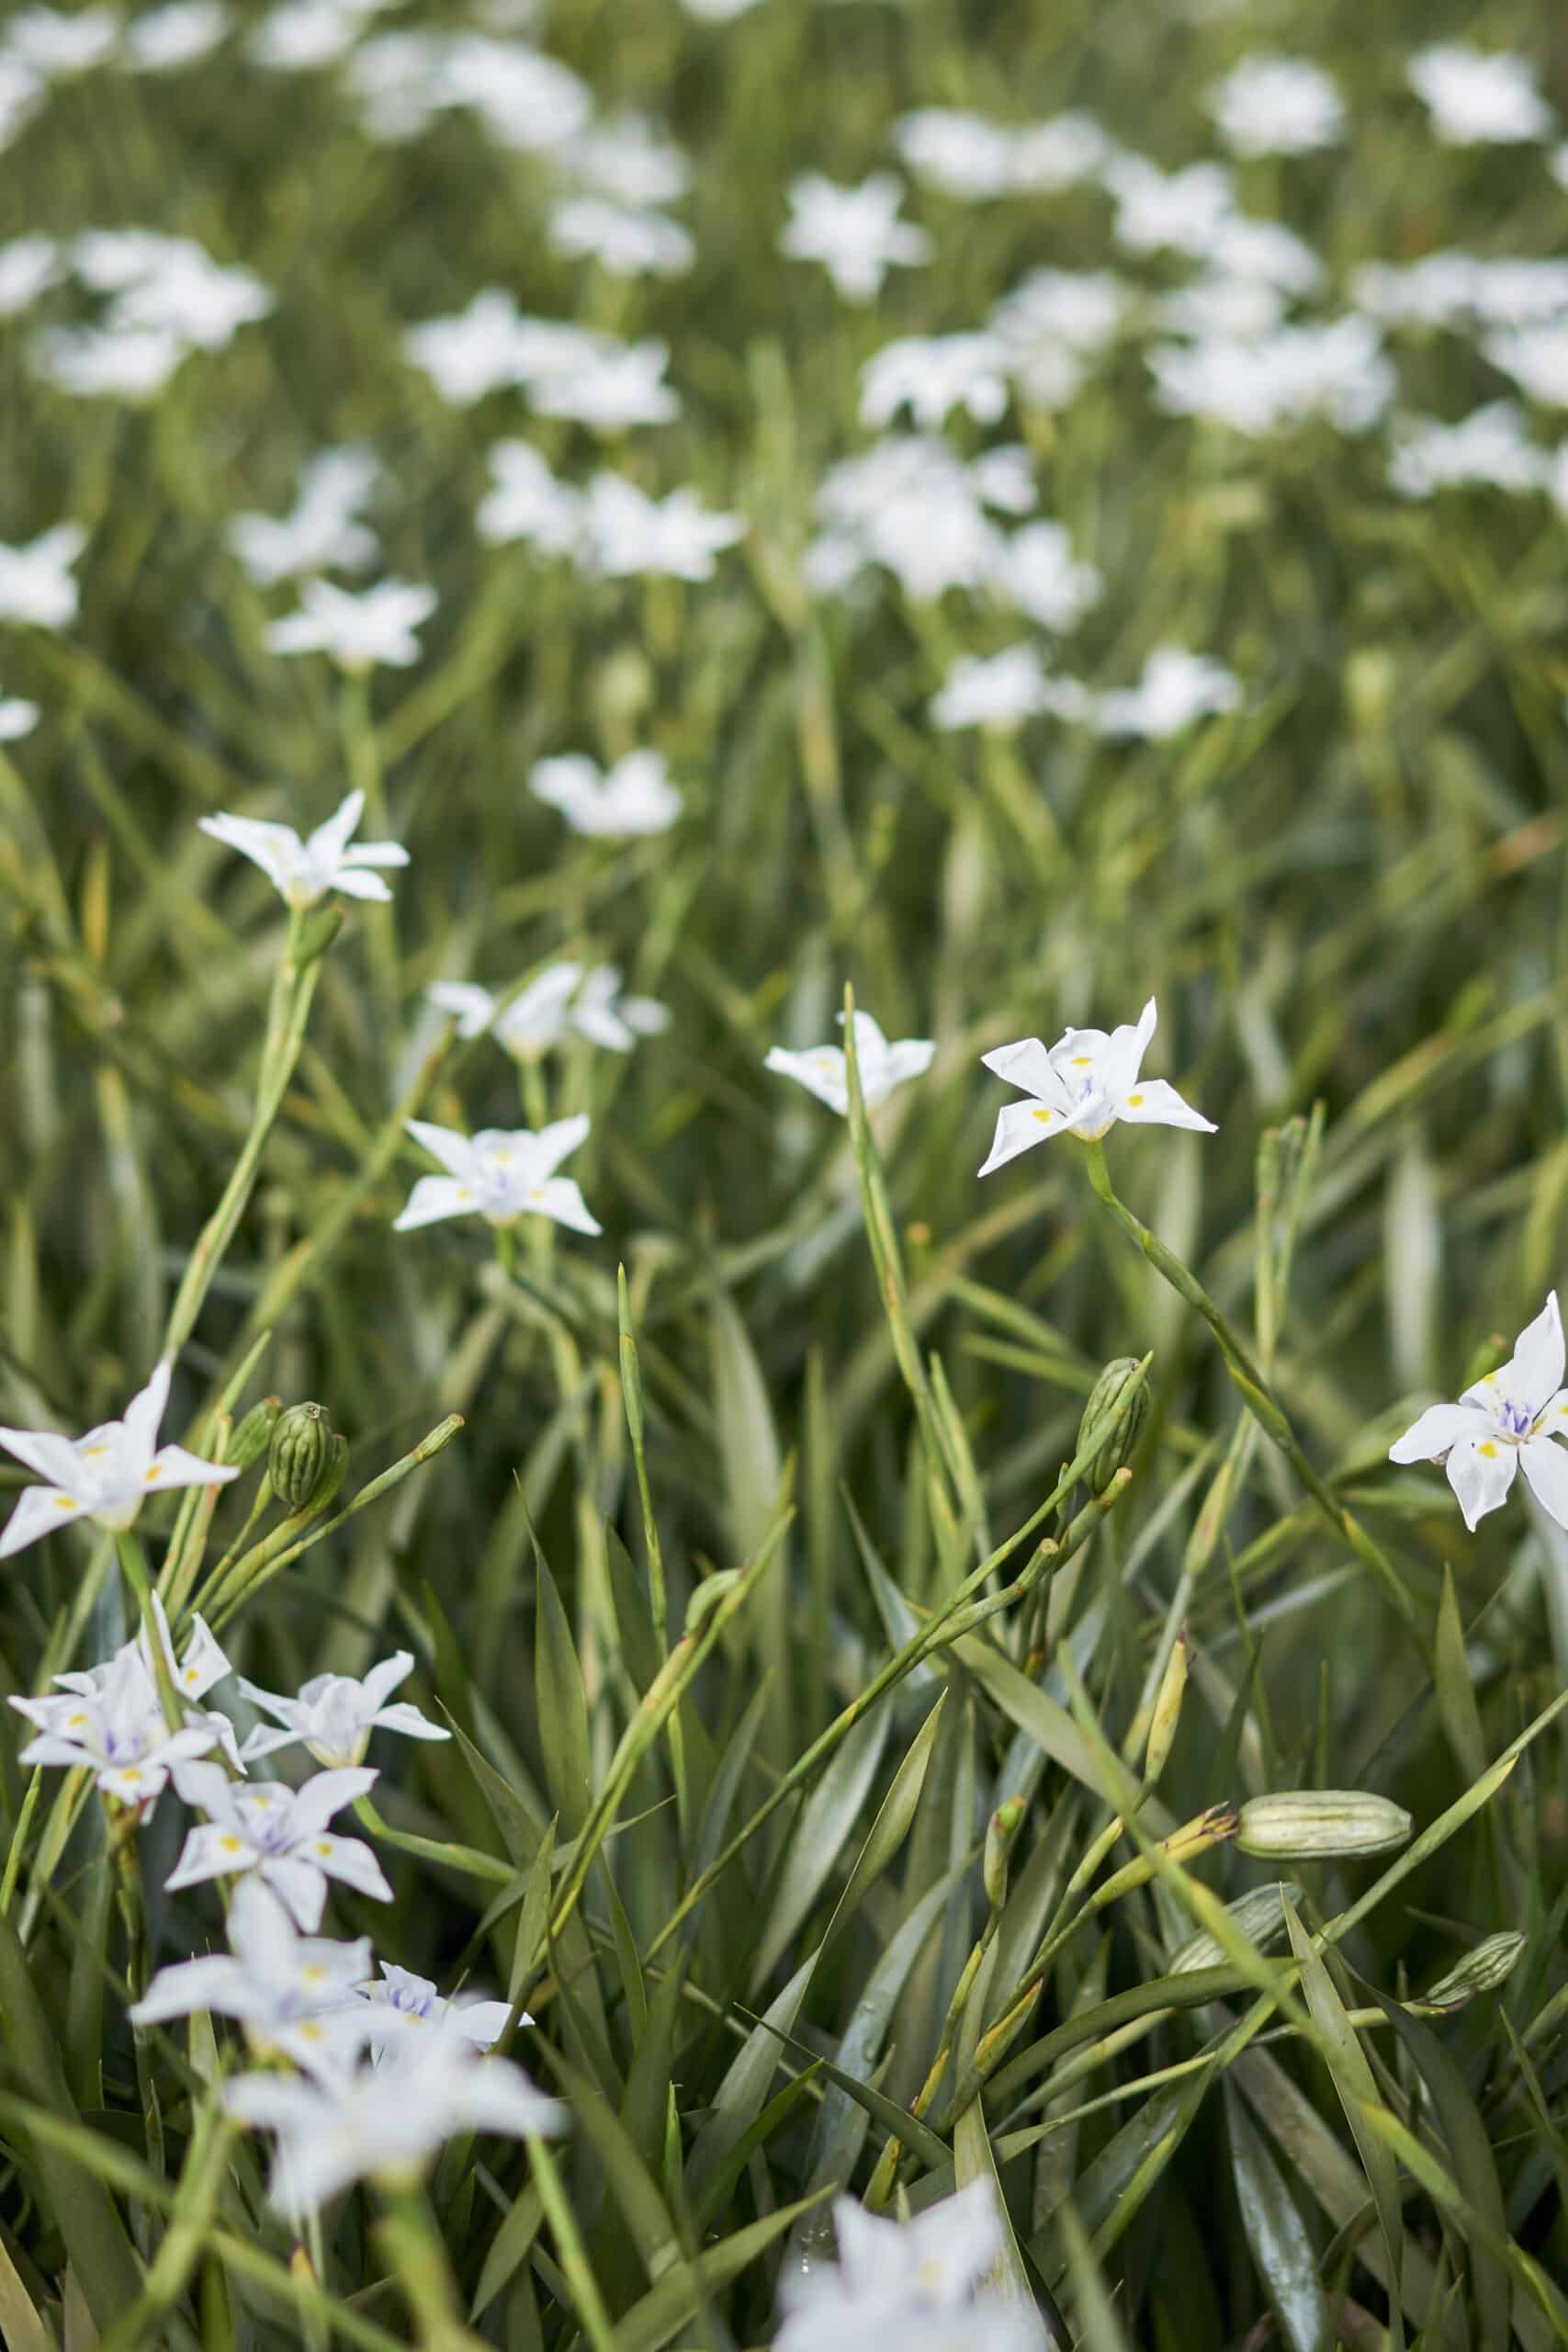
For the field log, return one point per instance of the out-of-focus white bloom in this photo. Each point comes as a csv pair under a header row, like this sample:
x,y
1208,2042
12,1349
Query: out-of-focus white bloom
x,y
106,1475
280,1833
334,1714
527,501
323,533
21,96
475,352
389,2121
1492,446
1267,250
1183,211
823,1071
1503,1423
854,233
528,1026
912,506
932,375
605,1017
1003,478
176,35
627,243
1035,571
18,718
1558,164
1476,98
111,1719
1054,325
377,625
528,102
304,871
29,267
1537,360
35,584
1003,690
1082,1086
399,81
629,157
919,2282
1277,106
611,385
187,294
1176,688
54,45
1338,371
1215,308
1456,289
1058,153
626,532
636,795
963,154
498,1174
303,36
92,363
295,1996
398,2002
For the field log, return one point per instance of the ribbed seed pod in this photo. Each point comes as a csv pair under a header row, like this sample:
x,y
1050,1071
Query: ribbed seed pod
x,y
1104,1399
1481,1971
1310,1825
1259,1915
301,1452
251,1439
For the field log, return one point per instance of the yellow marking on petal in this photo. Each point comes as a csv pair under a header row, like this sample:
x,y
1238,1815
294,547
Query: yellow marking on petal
x,y
131,1772
231,1844
151,1474
312,2033
66,1502
192,1674
1044,1117
324,1845
1488,1448
90,1453
464,1193
71,1722
1082,1061
313,1973
260,1801
1134,1101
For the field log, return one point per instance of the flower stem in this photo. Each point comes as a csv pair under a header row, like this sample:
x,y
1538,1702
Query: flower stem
x,y
593,2317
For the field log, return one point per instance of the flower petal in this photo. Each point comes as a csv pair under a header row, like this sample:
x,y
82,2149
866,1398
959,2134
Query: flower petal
x,y
1440,1427
328,841
1535,1369
143,1415
38,1509
454,1152
1027,1064
209,1851
1157,1104
350,1860
173,1466
406,1718
1545,1467
559,1198
53,1457
433,1198
356,883
1020,1126
1481,1472
556,1142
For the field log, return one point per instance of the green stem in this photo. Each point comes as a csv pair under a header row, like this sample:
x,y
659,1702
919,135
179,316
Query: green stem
x,y
592,2314
1256,1393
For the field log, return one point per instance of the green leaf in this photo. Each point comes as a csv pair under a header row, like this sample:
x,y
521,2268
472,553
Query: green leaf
x,y
1098,2328
684,2289
561,1704
1277,2236
827,1818
1456,1693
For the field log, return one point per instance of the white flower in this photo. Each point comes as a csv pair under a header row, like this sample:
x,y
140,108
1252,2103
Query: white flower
x,y
609,386
921,2281
306,870
823,1071
301,36
1176,688
278,1832
1035,571
626,532
112,1718
1082,1086
29,267
528,102
1503,1423
1537,360
377,625
175,35
1558,162
1180,210
1242,247
636,795
1057,153
912,506
21,96
1475,98
529,1025
334,1714
398,80
414,2003
473,352
602,1014
106,1475
1277,106
323,533
629,157
388,2121
294,1995
628,243
498,1174
1216,307
52,44
35,584
528,502
1338,371
18,718
1003,690
932,375
186,293
91,363
963,155
1492,446
854,233
1054,323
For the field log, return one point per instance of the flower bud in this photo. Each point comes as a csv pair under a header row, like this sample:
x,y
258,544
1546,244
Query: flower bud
x,y
1311,1825
1481,1971
1000,1831
251,1439
1259,1915
1121,1440
1167,1711
300,1454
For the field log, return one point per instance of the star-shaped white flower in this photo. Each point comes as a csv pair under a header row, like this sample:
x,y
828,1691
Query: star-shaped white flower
x,y
854,233
323,533
280,1833
36,583
1503,1423
377,625
295,1995
111,1718
1082,1086
334,1714
626,532
923,2279
106,1475
388,2121
400,2002
823,1071
634,796
499,1174
306,870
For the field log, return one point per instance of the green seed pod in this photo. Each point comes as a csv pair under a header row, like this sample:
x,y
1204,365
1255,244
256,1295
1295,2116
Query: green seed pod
x,y
1259,1915
301,1452
1104,1399
1481,1971
250,1441
1312,1825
